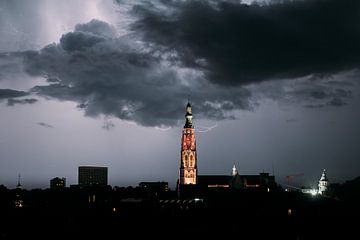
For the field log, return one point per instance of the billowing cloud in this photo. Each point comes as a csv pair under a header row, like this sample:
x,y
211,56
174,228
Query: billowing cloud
x,y
28,25
12,101
108,125
311,91
235,43
87,35
173,53
320,94
9,65
119,77
10,93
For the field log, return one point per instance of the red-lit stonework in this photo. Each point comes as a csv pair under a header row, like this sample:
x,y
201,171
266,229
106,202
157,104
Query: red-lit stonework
x,y
188,163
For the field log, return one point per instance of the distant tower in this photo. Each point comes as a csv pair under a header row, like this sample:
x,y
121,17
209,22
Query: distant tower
x,y
188,161
19,186
323,183
234,171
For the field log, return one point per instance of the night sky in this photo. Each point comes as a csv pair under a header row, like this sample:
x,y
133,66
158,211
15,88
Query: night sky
x,y
274,87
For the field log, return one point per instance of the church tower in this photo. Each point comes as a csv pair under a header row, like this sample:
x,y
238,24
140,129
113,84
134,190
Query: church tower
x,y
323,183
234,171
188,161
19,186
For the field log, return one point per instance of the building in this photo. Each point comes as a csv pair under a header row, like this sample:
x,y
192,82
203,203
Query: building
x,y
58,183
93,176
263,181
323,183
188,161
155,189
214,181
154,186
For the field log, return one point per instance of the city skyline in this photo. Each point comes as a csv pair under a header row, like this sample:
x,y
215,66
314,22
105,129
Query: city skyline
x,y
274,87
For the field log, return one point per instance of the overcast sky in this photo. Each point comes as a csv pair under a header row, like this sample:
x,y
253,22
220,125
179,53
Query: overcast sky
x,y
274,87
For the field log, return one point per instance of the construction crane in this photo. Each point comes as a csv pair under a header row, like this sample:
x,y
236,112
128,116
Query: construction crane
x,y
289,178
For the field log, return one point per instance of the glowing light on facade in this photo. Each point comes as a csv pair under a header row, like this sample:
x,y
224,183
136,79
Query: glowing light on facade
x,y
188,161
289,212
314,192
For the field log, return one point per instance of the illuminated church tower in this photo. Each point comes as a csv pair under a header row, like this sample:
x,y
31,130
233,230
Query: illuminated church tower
x,y
188,161
323,183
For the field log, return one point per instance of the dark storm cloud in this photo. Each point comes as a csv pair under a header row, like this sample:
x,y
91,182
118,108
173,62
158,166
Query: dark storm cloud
x,y
120,77
9,65
42,124
98,28
10,93
12,101
79,41
235,43
335,102
87,35
332,91
322,92
108,125
205,50
321,95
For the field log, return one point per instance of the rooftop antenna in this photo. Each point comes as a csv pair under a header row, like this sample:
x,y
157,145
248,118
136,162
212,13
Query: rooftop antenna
x,y
272,166
188,98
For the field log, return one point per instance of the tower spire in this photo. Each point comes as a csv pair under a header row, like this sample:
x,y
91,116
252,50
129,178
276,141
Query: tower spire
x,y
188,116
19,182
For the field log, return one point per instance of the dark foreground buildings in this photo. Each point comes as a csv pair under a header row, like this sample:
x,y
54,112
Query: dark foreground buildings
x,y
123,212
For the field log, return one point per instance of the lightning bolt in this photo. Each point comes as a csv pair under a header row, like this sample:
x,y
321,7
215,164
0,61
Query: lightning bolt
x,y
204,129
162,129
